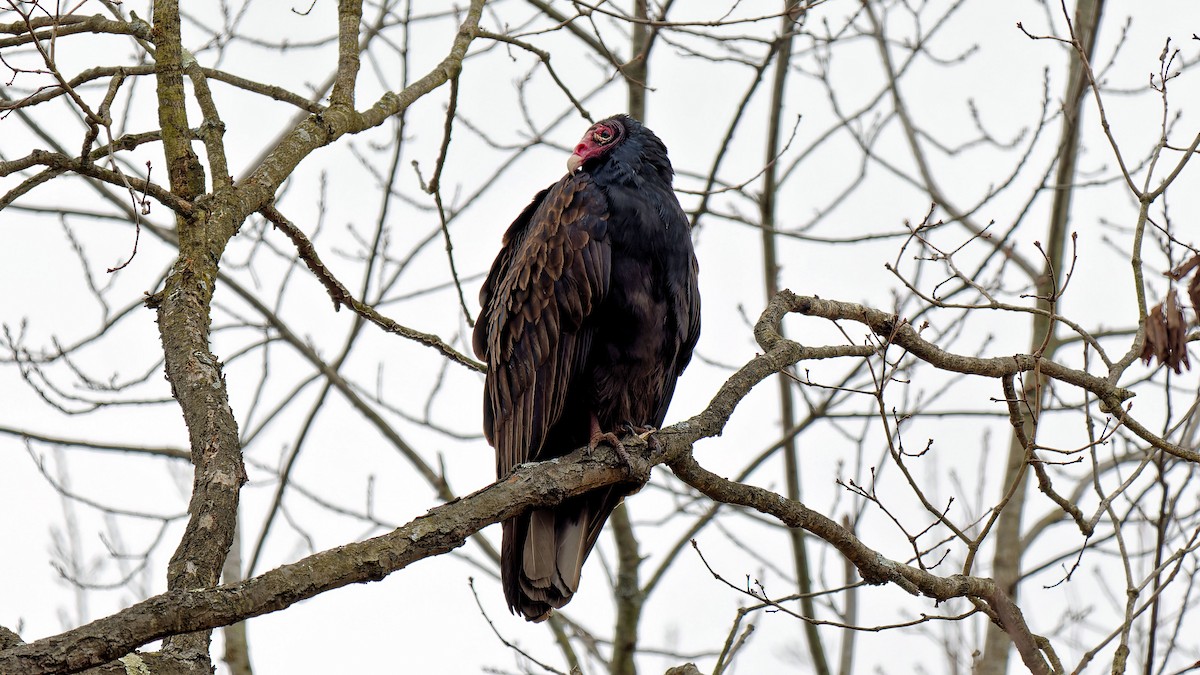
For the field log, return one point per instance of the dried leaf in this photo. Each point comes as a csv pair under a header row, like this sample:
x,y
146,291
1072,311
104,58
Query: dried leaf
x,y
1156,335
1185,267
1166,335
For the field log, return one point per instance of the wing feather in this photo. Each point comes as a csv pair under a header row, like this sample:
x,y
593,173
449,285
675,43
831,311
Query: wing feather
x,y
533,332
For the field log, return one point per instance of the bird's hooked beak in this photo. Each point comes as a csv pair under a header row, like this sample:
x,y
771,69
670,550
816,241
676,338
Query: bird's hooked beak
x,y
584,150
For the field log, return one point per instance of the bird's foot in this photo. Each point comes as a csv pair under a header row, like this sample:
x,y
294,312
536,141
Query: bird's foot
x,y
609,437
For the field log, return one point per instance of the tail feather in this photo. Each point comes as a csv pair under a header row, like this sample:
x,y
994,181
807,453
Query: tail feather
x,y
539,554
571,533
543,552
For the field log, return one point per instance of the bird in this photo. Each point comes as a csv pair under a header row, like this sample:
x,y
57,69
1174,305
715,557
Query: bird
x,y
589,315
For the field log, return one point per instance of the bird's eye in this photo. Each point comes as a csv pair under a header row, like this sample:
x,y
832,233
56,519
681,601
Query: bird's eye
x,y
602,135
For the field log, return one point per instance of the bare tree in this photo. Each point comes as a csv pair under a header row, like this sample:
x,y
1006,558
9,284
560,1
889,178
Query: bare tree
x,y
981,437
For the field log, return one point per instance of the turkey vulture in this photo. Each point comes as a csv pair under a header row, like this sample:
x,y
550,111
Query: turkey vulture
x,y
590,313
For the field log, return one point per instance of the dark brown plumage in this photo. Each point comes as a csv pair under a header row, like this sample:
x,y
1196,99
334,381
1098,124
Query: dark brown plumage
x,y
590,313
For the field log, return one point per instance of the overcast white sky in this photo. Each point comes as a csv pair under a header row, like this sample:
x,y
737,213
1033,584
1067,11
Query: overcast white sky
x,y
425,617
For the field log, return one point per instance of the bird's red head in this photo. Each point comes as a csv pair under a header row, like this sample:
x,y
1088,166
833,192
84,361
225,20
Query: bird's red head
x,y
599,139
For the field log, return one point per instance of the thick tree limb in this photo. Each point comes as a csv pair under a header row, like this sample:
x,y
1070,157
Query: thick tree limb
x,y
349,16
443,529
192,369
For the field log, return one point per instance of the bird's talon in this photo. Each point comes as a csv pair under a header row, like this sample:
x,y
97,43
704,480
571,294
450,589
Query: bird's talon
x,y
654,443
622,454
612,439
